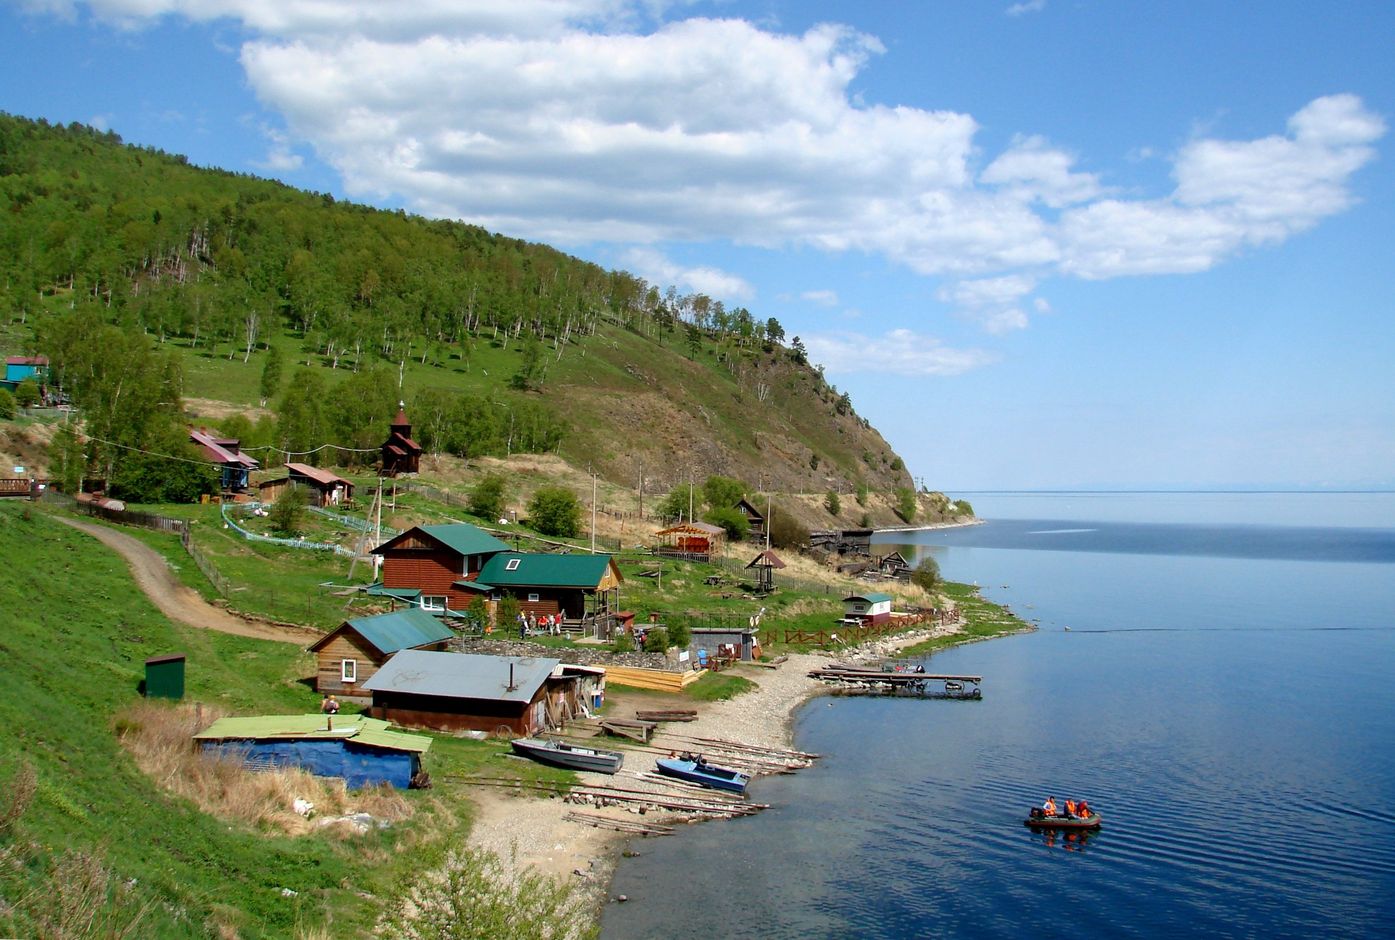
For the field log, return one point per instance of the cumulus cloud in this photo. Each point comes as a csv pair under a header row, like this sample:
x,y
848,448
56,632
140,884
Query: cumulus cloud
x,y
658,269
824,298
1028,6
597,121
899,352
994,302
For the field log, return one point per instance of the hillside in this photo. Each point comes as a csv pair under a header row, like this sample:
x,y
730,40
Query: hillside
x,y
318,315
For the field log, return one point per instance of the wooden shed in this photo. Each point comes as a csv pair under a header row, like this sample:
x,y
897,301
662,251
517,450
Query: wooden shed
x,y
467,692
867,608
329,489
349,656
694,541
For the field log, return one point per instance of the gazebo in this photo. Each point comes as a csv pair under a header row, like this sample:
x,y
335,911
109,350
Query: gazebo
x,y
694,541
765,564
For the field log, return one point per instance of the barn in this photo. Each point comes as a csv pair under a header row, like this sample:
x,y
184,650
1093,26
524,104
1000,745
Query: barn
x,y
348,656
466,692
360,750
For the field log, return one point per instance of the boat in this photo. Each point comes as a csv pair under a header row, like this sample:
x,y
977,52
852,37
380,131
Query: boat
x,y
570,756
1037,819
696,770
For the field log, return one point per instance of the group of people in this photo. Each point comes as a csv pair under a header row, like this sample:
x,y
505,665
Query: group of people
x,y
530,624
1073,809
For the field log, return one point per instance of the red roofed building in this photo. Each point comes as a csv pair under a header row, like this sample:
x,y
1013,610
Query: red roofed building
x,y
227,452
401,454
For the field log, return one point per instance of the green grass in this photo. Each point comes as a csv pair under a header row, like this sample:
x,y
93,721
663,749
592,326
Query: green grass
x,y
76,636
718,686
984,620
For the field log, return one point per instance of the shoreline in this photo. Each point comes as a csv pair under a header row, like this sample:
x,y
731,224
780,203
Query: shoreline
x,y
912,527
536,833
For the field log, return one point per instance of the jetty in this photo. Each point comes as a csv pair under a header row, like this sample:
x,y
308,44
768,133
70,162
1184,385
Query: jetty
x,y
886,680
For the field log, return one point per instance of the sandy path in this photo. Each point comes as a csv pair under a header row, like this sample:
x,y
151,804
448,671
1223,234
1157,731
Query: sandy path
x,y
177,600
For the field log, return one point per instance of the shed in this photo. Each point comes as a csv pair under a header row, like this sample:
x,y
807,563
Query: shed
x,y
329,489
164,676
464,691
695,541
868,608
894,565
726,642
349,656
359,749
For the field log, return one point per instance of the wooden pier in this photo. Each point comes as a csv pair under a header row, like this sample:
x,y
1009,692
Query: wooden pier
x,y
860,680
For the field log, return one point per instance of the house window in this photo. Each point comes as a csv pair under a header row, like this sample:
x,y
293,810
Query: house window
x,y
512,565
348,670
433,602
533,598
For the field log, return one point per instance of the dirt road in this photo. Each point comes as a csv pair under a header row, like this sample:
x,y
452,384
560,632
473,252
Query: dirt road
x,y
178,601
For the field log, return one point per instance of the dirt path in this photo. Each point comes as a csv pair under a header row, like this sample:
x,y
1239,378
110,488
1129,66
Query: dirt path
x,y
178,601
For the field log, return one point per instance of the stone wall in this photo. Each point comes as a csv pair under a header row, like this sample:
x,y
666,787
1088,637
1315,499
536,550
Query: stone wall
x,y
581,655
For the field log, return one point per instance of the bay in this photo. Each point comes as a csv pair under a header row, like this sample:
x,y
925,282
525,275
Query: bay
x,y
1223,696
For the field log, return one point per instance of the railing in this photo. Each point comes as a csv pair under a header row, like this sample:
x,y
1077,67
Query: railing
x,y
288,543
205,564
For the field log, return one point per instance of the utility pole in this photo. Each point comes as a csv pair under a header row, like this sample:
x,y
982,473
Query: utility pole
x,y
593,512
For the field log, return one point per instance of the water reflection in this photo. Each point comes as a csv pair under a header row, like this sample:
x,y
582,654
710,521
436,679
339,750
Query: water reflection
x,y
1071,840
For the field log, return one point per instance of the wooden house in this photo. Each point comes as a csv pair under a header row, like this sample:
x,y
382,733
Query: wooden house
x,y
400,453
694,541
328,489
867,608
765,565
359,749
227,453
465,692
19,368
444,567
754,518
350,655
894,565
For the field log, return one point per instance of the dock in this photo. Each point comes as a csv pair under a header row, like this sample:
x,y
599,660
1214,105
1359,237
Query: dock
x,y
855,680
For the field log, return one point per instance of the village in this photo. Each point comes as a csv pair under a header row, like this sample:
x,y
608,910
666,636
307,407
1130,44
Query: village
x,y
487,632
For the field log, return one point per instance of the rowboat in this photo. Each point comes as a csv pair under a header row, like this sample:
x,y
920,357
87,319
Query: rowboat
x,y
1039,820
696,770
570,756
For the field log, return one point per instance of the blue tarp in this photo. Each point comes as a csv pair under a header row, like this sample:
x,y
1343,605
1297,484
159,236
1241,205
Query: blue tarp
x,y
359,766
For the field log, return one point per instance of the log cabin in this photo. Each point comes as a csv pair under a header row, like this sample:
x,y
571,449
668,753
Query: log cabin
x,y
349,656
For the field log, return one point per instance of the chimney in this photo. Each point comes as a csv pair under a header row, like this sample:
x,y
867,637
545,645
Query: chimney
x,y
511,683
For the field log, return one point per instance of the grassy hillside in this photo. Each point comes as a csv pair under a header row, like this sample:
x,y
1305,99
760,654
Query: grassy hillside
x,y
497,345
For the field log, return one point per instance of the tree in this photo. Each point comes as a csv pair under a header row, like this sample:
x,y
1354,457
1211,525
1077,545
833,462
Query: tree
x,y
529,365
674,505
7,405
506,613
926,573
797,350
287,514
722,492
832,503
181,477
67,464
27,395
774,331
656,640
487,497
962,508
679,633
271,375
785,530
302,423
905,503
554,510
731,519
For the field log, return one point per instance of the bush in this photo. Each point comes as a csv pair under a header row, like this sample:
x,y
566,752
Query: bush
x,y
506,613
287,514
862,494
679,634
674,505
27,395
554,510
832,503
487,497
656,640
962,508
906,504
624,643
722,492
7,405
785,530
734,521
926,573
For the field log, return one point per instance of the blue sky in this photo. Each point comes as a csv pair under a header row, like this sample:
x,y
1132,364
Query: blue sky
x,y
1041,244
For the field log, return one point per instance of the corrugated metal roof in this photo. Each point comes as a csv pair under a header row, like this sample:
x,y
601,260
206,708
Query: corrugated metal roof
x,y
316,474
460,537
399,630
462,675
578,571
218,449
877,598
361,729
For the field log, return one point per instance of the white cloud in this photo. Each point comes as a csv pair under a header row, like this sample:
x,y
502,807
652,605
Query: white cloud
x,y
1027,6
899,352
280,158
592,121
661,271
824,298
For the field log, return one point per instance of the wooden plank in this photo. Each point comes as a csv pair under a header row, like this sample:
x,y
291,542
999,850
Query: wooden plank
x,y
656,679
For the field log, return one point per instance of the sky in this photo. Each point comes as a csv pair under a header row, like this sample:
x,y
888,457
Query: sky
x,y
1041,244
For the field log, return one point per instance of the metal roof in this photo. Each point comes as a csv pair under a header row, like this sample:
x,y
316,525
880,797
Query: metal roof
x,y
701,528
399,630
357,728
460,537
574,571
876,598
402,594
462,675
222,450
315,473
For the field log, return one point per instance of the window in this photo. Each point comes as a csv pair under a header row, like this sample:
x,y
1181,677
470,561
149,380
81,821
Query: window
x,y
533,598
513,564
433,602
348,670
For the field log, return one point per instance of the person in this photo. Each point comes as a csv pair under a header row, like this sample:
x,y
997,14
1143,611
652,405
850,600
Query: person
x,y
522,625
329,706
1070,807
1082,809
1049,807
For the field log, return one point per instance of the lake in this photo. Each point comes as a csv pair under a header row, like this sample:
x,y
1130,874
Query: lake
x,y
1223,697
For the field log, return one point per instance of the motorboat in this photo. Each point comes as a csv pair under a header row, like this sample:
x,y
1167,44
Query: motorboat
x,y
694,769
570,756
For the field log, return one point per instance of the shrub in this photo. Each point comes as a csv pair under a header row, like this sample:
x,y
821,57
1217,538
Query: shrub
x,y
734,521
785,530
656,640
506,613
926,573
554,510
905,503
624,643
287,514
862,494
962,507
487,496
833,503
679,634
722,492
674,505
7,404
27,394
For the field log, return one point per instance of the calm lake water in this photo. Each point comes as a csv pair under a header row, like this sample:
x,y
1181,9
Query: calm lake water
x,y
1224,696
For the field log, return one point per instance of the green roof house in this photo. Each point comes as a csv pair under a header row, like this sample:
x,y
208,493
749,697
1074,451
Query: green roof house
x,y
348,656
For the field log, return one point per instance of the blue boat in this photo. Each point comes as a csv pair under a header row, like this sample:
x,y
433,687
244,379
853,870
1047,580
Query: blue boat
x,y
694,769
